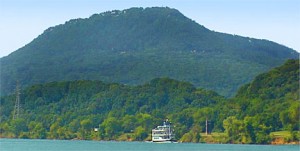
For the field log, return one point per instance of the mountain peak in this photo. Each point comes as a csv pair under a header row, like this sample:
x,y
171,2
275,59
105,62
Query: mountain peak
x,y
135,45
140,10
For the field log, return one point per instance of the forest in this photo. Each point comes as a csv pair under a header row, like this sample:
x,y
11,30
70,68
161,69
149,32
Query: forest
x,y
136,45
73,109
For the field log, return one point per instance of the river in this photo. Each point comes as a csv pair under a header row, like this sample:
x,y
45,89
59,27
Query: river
x,y
78,145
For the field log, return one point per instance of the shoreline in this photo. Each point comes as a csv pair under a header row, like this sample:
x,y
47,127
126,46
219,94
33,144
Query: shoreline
x,y
273,143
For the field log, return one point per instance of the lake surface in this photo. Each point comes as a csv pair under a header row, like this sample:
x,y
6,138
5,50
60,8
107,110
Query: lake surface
x,y
68,145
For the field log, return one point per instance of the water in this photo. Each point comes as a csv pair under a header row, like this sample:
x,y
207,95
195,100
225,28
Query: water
x,y
67,145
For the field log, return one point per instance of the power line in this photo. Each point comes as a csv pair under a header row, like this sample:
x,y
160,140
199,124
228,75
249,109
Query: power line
x,y
17,103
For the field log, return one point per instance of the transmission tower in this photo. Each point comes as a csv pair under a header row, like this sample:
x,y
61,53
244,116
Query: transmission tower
x,y
17,107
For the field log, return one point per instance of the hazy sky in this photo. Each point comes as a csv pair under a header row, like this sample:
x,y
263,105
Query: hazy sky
x,y
275,20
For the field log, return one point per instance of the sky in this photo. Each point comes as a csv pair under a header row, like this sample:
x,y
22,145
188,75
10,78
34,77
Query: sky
x,y
275,20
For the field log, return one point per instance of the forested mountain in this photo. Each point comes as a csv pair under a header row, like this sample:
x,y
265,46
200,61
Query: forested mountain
x,y
66,110
70,110
269,103
136,45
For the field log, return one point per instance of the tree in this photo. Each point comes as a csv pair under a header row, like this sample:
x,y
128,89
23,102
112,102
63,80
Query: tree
x,y
36,130
263,134
187,137
196,130
193,135
233,129
145,120
17,126
249,131
128,123
294,115
53,130
74,125
86,127
140,133
5,130
86,124
111,127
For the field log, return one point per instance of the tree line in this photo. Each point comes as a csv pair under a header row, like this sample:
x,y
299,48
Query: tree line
x,y
75,109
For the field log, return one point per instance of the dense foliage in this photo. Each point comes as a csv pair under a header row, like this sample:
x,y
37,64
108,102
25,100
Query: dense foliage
x,y
136,45
70,110
269,103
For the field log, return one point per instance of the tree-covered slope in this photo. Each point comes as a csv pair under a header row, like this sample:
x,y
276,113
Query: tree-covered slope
x,y
70,110
136,45
269,103
274,96
279,82
67,110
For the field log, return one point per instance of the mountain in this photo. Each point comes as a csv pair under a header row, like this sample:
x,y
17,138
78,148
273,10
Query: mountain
x,y
135,45
278,83
62,108
269,103
275,92
71,109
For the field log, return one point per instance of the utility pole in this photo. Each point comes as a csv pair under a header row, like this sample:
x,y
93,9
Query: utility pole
x,y
17,103
206,125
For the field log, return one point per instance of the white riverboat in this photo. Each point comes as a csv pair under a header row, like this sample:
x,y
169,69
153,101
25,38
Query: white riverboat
x,y
164,133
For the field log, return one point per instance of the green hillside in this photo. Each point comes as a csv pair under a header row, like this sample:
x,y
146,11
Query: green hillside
x,y
67,110
269,103
274,96
70,110
136,45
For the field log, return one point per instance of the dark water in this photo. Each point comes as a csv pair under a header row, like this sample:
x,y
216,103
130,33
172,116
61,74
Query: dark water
x,y
65,145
